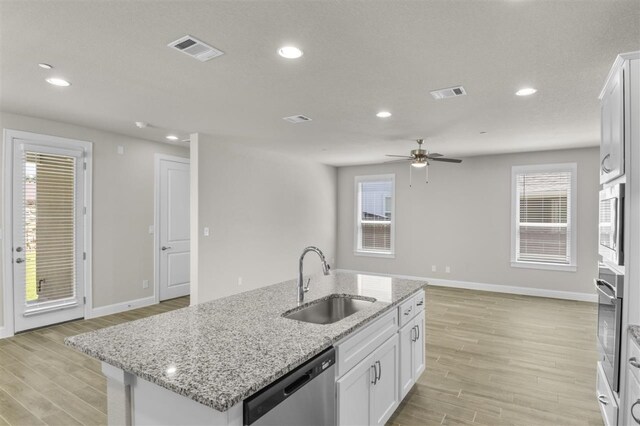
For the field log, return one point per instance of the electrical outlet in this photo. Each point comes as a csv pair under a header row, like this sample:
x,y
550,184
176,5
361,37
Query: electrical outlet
x,y
239,281
120,149
447,269
151,229
145,283
206,231
433,268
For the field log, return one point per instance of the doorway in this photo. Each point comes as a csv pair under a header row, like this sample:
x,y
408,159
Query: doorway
x,y
47,191
172,223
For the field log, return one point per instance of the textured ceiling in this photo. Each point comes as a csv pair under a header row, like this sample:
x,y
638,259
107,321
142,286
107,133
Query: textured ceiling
x,y
360,57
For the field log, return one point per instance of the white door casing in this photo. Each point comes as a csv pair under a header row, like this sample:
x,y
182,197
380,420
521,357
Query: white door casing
x,y
47,188
173,240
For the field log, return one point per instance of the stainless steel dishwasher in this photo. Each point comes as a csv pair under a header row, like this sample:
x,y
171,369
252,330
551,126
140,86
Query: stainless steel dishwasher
x,y
305,396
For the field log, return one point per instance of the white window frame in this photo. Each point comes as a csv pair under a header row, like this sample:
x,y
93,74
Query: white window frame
x,y
546,168
357,248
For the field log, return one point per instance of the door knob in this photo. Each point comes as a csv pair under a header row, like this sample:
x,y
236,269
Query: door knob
x,y
18,260
165,248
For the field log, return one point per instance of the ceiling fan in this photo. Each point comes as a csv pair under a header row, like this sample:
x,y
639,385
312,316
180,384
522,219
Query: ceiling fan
x,y
420,159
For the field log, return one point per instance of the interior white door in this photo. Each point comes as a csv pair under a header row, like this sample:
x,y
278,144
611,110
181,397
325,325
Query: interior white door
x,y
174,228
48,233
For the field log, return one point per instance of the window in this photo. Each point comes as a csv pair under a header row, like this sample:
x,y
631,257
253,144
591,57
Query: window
x,y
375,215
543,233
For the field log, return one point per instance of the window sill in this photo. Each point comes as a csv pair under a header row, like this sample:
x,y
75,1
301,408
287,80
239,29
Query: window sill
x,y
375,254
545,266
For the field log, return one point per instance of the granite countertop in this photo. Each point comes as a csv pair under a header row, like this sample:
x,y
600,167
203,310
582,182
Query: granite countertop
x,y
220,352
634,330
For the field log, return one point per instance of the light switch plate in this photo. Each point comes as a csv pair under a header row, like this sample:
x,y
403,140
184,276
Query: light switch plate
x,y
120,149
151,229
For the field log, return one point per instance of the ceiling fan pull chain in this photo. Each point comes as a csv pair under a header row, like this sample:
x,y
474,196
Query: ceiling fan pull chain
x,y
410,174
426,173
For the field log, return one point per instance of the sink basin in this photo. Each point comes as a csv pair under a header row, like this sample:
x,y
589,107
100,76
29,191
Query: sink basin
x,y
328,311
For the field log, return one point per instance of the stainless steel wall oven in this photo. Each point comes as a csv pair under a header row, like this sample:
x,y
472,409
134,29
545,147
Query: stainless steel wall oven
x,y
610,287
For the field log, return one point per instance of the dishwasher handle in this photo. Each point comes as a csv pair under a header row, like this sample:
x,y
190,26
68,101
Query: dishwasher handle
x,y
300,382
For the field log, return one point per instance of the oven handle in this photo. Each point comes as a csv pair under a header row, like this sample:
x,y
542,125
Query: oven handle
x,y
599,283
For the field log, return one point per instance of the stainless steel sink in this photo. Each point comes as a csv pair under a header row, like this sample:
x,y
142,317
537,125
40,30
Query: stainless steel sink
x,y
328,311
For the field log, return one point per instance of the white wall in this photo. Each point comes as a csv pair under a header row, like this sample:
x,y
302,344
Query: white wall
x,y
262,210
123,190
462,218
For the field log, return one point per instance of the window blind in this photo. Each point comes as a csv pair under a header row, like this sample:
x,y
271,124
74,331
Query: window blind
x,y
49,227
543,225
375,215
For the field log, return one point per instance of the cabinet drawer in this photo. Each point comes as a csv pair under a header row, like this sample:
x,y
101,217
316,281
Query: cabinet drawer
x,y
406,311
356,348
418,302
606,400
633,362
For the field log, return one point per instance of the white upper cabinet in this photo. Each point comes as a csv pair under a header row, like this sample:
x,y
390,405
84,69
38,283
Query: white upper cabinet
x,y
612,126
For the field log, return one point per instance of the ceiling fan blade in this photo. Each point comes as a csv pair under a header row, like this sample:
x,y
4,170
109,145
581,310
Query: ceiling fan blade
x,y
401,156
446,160
434,155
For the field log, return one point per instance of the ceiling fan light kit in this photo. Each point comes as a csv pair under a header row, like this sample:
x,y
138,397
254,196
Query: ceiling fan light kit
x,y
420,159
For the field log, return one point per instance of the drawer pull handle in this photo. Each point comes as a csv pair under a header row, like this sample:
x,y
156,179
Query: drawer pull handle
x,y
633,361
407,312
633,415
603,400
379,376
418,332
420,303
605,169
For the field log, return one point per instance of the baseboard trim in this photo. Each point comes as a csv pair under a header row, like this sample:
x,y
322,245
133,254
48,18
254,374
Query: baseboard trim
x,y
116,308
496,288
4,333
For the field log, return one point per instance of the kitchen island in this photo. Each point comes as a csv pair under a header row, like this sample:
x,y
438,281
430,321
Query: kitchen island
x,y
199,363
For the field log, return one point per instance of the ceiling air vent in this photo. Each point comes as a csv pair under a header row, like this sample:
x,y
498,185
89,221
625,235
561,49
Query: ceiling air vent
x,y
449,92
297,119
195,48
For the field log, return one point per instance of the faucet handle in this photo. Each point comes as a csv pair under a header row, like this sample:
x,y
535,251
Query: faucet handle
x,y
306,287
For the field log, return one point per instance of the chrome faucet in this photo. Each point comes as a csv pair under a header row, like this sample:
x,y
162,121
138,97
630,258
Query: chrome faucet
x,y
325,269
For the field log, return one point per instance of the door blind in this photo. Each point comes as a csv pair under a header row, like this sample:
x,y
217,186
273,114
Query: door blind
x,y
49,227
376,200
543,231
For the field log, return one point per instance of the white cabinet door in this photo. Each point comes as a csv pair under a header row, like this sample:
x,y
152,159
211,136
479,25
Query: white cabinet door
x,y
633,400
419,347
612,131
354,402
384,393
407,335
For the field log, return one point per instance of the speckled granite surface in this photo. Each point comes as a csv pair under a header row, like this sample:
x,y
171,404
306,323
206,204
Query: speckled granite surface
x,y
634,331
220,352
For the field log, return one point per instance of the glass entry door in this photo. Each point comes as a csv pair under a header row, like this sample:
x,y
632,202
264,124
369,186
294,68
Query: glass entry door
x,y
48,234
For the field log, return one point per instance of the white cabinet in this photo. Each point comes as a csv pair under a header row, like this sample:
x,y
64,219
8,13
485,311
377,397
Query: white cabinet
x,y
412,353
607,401
368,393
612,127
632,393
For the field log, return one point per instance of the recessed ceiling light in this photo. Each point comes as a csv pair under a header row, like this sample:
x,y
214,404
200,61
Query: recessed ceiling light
x,y
58,82
45,66
172,137
526,91
290,52
383,114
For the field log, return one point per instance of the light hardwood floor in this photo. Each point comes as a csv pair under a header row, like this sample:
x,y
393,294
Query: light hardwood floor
x,y
492,359
499,359
44,382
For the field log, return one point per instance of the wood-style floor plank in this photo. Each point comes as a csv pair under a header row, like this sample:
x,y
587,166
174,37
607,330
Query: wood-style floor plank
x,y
500,359
42,381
